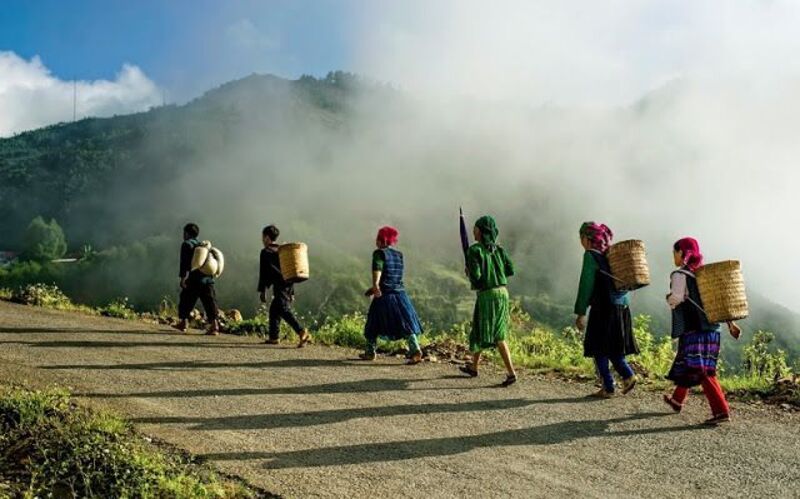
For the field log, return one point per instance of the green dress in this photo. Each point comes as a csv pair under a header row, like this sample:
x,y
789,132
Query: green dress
x,y
488,271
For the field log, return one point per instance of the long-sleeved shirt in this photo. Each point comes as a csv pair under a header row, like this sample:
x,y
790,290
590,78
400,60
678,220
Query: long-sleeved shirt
x,y
587,283
678,290
187,252
488,269
269,273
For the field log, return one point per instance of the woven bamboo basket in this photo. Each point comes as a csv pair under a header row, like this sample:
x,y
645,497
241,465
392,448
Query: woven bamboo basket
x,y
722,291
628,261
294,262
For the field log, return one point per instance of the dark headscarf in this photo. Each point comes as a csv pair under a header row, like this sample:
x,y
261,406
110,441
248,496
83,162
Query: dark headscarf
x,y
488,228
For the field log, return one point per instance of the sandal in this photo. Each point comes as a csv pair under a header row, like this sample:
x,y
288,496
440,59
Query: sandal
x,y
677,407
468,370
601,394
414,359
510,380
718,419
305,337
629,384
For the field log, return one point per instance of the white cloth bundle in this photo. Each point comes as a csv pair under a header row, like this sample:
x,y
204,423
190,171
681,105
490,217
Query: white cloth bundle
x,y
208,259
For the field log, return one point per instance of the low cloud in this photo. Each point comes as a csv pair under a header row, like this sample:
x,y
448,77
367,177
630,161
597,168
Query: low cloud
x,y
32,97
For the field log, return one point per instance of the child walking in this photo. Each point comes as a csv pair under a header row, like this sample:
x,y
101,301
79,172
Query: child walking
x,y
391,314
609,333
698,339
269,275
488,269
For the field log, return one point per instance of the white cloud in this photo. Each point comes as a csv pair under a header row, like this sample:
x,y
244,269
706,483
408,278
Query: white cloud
x,y
31,97
243,34
714,152
575,52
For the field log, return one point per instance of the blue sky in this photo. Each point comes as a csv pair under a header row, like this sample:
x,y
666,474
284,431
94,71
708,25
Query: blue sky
x,y
184,46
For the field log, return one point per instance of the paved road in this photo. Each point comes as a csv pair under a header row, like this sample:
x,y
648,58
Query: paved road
x,y
314,422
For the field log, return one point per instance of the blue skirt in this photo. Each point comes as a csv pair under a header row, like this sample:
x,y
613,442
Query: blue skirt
x,y
392,316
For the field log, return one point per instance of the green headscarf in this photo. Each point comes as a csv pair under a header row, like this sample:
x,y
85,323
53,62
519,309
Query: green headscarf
x,y
489,231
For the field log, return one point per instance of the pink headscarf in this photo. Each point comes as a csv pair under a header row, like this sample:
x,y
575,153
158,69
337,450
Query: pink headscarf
x,y
692,258
599,235
388,235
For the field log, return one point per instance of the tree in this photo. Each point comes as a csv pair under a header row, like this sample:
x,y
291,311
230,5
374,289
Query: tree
x,y
44,241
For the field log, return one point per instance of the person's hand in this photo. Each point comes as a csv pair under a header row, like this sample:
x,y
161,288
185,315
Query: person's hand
x,y
183,283
376,292
580,322
262,296
735,330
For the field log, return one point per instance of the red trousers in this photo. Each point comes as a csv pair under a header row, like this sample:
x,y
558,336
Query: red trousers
x,y
713,392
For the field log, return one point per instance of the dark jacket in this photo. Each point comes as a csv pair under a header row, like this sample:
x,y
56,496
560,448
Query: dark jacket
x,y
269,274
689,317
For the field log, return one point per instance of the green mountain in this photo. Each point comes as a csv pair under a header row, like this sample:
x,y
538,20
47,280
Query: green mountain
x,y
329,160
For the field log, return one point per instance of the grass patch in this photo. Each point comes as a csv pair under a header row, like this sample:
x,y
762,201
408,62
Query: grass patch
x,y
51,447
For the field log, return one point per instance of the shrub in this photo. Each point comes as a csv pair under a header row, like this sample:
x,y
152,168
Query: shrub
x,y
50,447
760,361
42,295
119,308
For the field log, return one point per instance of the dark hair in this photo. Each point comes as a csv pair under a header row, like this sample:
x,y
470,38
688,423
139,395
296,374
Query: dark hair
x,y
192,230
271,232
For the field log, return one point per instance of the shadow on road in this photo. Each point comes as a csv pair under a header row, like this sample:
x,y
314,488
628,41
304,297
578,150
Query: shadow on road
x,y
129,344
550,434
191,364
292,420
360,386
66,330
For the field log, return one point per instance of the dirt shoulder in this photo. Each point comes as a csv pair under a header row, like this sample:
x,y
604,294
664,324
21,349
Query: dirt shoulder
x,y
316,422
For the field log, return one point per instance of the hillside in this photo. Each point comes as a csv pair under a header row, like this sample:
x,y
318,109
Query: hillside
x,y
327,159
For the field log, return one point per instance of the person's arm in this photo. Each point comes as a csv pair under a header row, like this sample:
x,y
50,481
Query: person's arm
x,y
586,284
185,262
263,275
677,290
378,261
508,265
585,289
734,329
474,265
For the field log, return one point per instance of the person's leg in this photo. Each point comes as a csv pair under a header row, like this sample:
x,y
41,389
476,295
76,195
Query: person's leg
x,y
601,362
208,298
505,353
274,320
287,314
680,394
715,396
186,302
472,369
625,371
622,367
414,350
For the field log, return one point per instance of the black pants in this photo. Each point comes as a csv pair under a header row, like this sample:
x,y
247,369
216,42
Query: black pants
x,y
189,295
281,308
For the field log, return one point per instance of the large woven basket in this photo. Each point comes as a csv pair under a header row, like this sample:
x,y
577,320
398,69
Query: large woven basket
x,y
722,291
628,261
294,262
